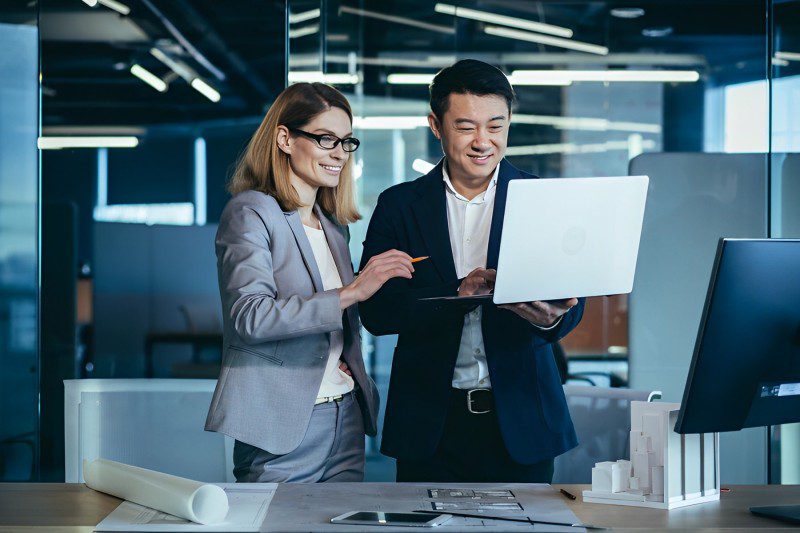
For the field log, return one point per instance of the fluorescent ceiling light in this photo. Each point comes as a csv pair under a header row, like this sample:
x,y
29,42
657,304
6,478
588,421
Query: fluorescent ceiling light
x,y
572,148
177,214
149,78
57,143
410,79
546,39
627,12
176,66
390,123
119,7
422,166
206,90
398,20
317,76
780,62
302,32
665,76
426,79
296,18
788,56
514,22
584,123
522,81
90,3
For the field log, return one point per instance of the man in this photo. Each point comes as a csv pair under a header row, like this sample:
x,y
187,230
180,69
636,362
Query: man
x,y
474,396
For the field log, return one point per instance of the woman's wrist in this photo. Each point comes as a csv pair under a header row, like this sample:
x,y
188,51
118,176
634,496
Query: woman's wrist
x,y
347,296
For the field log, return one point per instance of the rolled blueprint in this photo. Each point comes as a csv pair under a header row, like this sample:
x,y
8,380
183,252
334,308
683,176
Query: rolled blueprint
x,y
199,502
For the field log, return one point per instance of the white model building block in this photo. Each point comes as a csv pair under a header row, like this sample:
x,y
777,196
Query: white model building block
x,y
601,479
633,483
657,480
652,424
606,478
635,434
626,467
619,479
645,444
641,469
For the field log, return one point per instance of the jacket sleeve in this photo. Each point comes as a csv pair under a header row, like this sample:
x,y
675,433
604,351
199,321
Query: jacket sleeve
x,y
395,308
248,290
569,321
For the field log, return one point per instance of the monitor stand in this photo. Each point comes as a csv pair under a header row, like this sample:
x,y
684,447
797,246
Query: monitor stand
x,y
785,513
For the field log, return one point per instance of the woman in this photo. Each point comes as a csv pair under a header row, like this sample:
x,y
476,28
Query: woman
x,y
292,390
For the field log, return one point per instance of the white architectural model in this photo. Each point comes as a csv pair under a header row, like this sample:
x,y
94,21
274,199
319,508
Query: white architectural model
x,y
665,470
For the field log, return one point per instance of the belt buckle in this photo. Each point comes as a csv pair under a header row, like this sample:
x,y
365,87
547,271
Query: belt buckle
x,y
469,402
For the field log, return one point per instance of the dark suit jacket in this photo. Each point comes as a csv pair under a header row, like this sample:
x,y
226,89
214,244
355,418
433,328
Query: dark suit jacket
x,y
529,400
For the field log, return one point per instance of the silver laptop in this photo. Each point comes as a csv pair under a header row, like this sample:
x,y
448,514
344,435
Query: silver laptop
x,y
567,237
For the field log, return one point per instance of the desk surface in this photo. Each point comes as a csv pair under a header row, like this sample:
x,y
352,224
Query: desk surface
x,y
73,508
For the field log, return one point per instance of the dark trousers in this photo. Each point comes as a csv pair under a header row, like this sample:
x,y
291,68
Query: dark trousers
x,y
471,450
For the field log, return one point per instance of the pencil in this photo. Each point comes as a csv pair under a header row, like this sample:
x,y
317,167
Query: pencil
x,y
414,260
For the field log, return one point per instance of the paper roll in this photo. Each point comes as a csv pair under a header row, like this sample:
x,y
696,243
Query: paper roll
x,y
199,502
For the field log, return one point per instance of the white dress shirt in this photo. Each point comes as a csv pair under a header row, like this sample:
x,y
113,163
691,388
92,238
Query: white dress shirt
x,y
334,381
469,223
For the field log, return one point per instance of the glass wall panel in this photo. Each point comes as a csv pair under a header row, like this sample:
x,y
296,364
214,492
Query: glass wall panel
x,y
599,85
19,277
785,186
146,106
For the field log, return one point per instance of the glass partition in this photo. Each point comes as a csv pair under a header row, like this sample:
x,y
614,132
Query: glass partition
x,y
19,276
784,126
599,84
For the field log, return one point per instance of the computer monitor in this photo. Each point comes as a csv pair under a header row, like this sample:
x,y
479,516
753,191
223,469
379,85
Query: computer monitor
x,y
745,370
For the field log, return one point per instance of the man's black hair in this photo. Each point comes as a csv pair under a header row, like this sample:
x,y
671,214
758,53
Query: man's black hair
x,y
468,76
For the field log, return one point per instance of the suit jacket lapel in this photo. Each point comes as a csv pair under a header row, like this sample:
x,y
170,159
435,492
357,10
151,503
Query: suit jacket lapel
x,y
338,246
430,211
341,256
506,174
293,218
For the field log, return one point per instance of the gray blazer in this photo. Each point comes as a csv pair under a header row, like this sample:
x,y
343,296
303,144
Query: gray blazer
x,y
277,319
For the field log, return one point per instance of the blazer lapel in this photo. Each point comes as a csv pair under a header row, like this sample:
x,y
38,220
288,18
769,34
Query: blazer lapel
x,y
341,256
293,218
338,246
430,211
506,174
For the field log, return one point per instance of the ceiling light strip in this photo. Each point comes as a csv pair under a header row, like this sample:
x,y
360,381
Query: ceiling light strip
x,y
398,20
57,143
503,20
655,76
546,39
149,78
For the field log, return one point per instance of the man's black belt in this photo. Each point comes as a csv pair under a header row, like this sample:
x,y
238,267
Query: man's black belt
x,y
476,401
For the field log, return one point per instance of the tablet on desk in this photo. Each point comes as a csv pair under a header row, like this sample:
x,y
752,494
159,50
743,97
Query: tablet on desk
x,y
373,518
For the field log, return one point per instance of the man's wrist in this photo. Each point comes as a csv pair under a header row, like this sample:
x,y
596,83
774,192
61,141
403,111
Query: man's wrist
x,y
551,326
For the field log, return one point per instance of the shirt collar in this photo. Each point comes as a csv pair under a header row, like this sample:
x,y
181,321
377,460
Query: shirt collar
x,y
449,184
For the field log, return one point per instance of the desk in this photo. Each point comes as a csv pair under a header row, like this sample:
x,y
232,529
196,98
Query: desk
x,y
73,508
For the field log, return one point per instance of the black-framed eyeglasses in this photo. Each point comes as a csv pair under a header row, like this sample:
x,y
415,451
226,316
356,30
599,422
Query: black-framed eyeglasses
x,y
328,141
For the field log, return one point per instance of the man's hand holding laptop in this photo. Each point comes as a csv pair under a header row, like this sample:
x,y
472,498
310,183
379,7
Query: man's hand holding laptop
x,y
542,314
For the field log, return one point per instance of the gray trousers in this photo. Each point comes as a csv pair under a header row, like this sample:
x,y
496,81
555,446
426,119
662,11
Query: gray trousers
x,y
332,450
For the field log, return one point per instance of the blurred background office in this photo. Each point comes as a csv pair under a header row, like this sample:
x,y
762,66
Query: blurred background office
x,y
141,107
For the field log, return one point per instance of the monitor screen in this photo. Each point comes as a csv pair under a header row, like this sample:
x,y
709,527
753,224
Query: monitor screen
x,y
745,370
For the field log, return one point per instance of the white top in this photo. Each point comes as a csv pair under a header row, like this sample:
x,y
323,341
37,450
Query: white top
x,y
334,381
469,223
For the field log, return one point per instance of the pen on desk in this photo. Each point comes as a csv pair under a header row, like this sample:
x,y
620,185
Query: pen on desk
x,y
510,519
567,494
414,260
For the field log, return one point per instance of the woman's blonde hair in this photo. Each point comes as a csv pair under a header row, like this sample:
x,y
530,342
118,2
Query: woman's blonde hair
x,y
265,167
